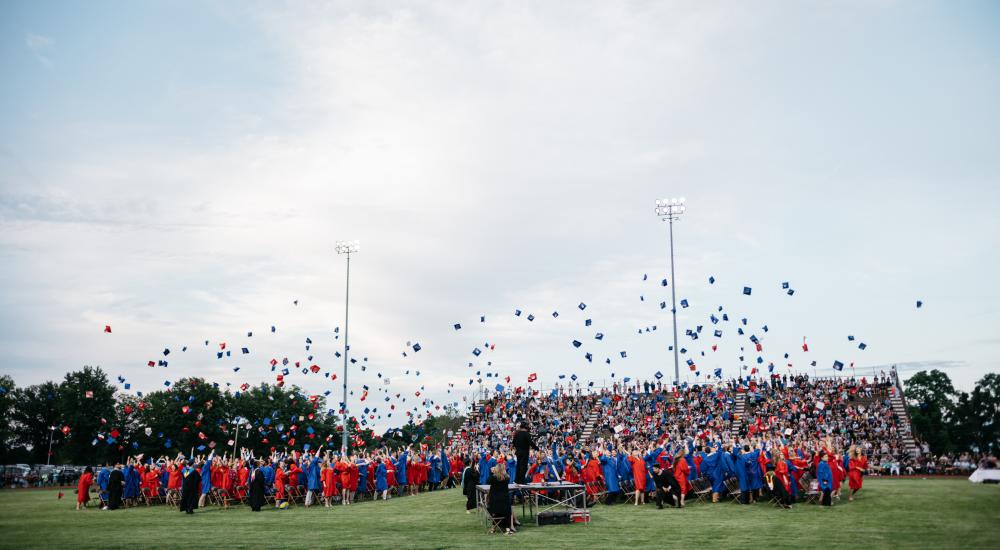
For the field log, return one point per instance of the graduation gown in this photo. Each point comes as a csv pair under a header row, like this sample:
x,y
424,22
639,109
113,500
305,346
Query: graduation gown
x,y
190,491
115,482
498,503
256,498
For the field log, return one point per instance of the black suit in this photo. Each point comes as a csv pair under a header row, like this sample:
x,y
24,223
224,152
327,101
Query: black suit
x,y
666,485
522,449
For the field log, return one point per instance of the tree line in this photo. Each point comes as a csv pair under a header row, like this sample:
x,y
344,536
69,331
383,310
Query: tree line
x,y
88,421
952,421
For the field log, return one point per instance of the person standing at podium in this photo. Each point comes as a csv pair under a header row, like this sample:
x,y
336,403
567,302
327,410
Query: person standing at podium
x,y
522,450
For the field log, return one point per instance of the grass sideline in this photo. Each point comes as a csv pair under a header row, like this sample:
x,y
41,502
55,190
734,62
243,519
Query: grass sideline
x,y
891,513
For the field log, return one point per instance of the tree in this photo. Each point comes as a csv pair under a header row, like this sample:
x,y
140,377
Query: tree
x,y
7,394
86,400
931,404
36,409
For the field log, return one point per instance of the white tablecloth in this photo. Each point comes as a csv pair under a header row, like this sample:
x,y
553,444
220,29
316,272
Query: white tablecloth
x,y
981,475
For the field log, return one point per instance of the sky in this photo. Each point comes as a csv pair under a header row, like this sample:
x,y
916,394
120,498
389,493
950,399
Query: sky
x,y
181,172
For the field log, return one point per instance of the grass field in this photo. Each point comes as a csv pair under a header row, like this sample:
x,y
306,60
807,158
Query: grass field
x,y
910,513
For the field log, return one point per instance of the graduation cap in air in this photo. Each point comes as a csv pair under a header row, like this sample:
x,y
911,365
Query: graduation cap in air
x,y
623,354
573,378
273,328
107,328
476,352
658,376
582,306
663,282
166,351
850,338
590,358
416,348
555,314
919,305
531,317
663,305
684,303
747,290
246,351
599,336
517,313
718,333
458,326
784,285
862,346
711,280
791,292
482,318
577,343
837,365
250,334
718,373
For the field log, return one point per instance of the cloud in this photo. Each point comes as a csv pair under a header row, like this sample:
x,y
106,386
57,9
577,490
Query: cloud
x,y
40,46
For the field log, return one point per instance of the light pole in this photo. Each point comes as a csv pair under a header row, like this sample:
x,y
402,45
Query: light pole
x,y
48,458
670,210
346,247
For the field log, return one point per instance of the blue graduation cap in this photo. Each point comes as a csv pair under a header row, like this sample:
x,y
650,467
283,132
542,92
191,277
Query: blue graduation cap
x,y
272,328
622,354
747,290
517,313
582,306
309,340
711,280
590,358
599,336
416,348
690,362
714,319
684,303
663,282
166,383
166,351
555,314
770,367
850,338
718,373
476,352
764,327
760,360
531,317
718,333
499,387
250,334
663,305
919,304
128,386
753,338
791,292
837,365
577,343
739,331
658,376
725,316
784,285
573,378
587,323
458,326
862,346
246,351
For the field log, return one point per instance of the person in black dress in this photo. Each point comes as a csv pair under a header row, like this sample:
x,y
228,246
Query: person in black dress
x,y
522,450
470,477
499,505
190,489
256,497
116,481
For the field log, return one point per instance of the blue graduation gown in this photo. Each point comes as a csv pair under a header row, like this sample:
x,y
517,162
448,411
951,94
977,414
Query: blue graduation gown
x,y
206,477
485,465
434,473
380,483
401,468
824,475
362,476
315,483
609,467
102,478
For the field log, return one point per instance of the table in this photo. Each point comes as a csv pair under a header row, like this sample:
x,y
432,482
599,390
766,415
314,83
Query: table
x,y
538,497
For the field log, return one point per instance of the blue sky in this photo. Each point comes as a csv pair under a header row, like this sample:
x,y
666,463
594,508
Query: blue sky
x,y
181,172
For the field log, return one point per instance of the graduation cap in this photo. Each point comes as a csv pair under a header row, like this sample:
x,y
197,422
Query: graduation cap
x,y
458,326
246,350
599,336
850,338
784,285
747,290
718,333
837,365
166,351
517,313
622,354
582,306
577,343
718,373
658,376
791,292
531,317
663,305
555,314
862,346
587,323
919,305
590,358
711,280
573,378
482,318
476,352
684,303
499,387
416,348
107,328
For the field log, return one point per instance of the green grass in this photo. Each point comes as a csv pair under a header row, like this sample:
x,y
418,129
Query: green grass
x,y
911,513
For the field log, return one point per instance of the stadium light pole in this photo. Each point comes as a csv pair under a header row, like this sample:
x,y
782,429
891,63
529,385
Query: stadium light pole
x,y
346,247
48,457
669,210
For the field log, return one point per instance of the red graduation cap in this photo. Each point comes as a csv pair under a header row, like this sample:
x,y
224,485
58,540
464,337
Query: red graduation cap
x,y
89,394
222,345
274,362
532,377
805,346
314,368
151,363
107,328
715,347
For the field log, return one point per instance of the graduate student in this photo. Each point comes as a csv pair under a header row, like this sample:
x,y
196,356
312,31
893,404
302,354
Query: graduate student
x,y
257,488
83,488
329,478
381,478
857,465
681,471
314,484
824,475
206,481
470,477
190,489
116,483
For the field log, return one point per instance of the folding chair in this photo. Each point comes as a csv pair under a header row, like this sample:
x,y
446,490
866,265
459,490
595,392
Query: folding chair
x,y
222,497
628,489
172,498
702,488
149,497
733,489
240,494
